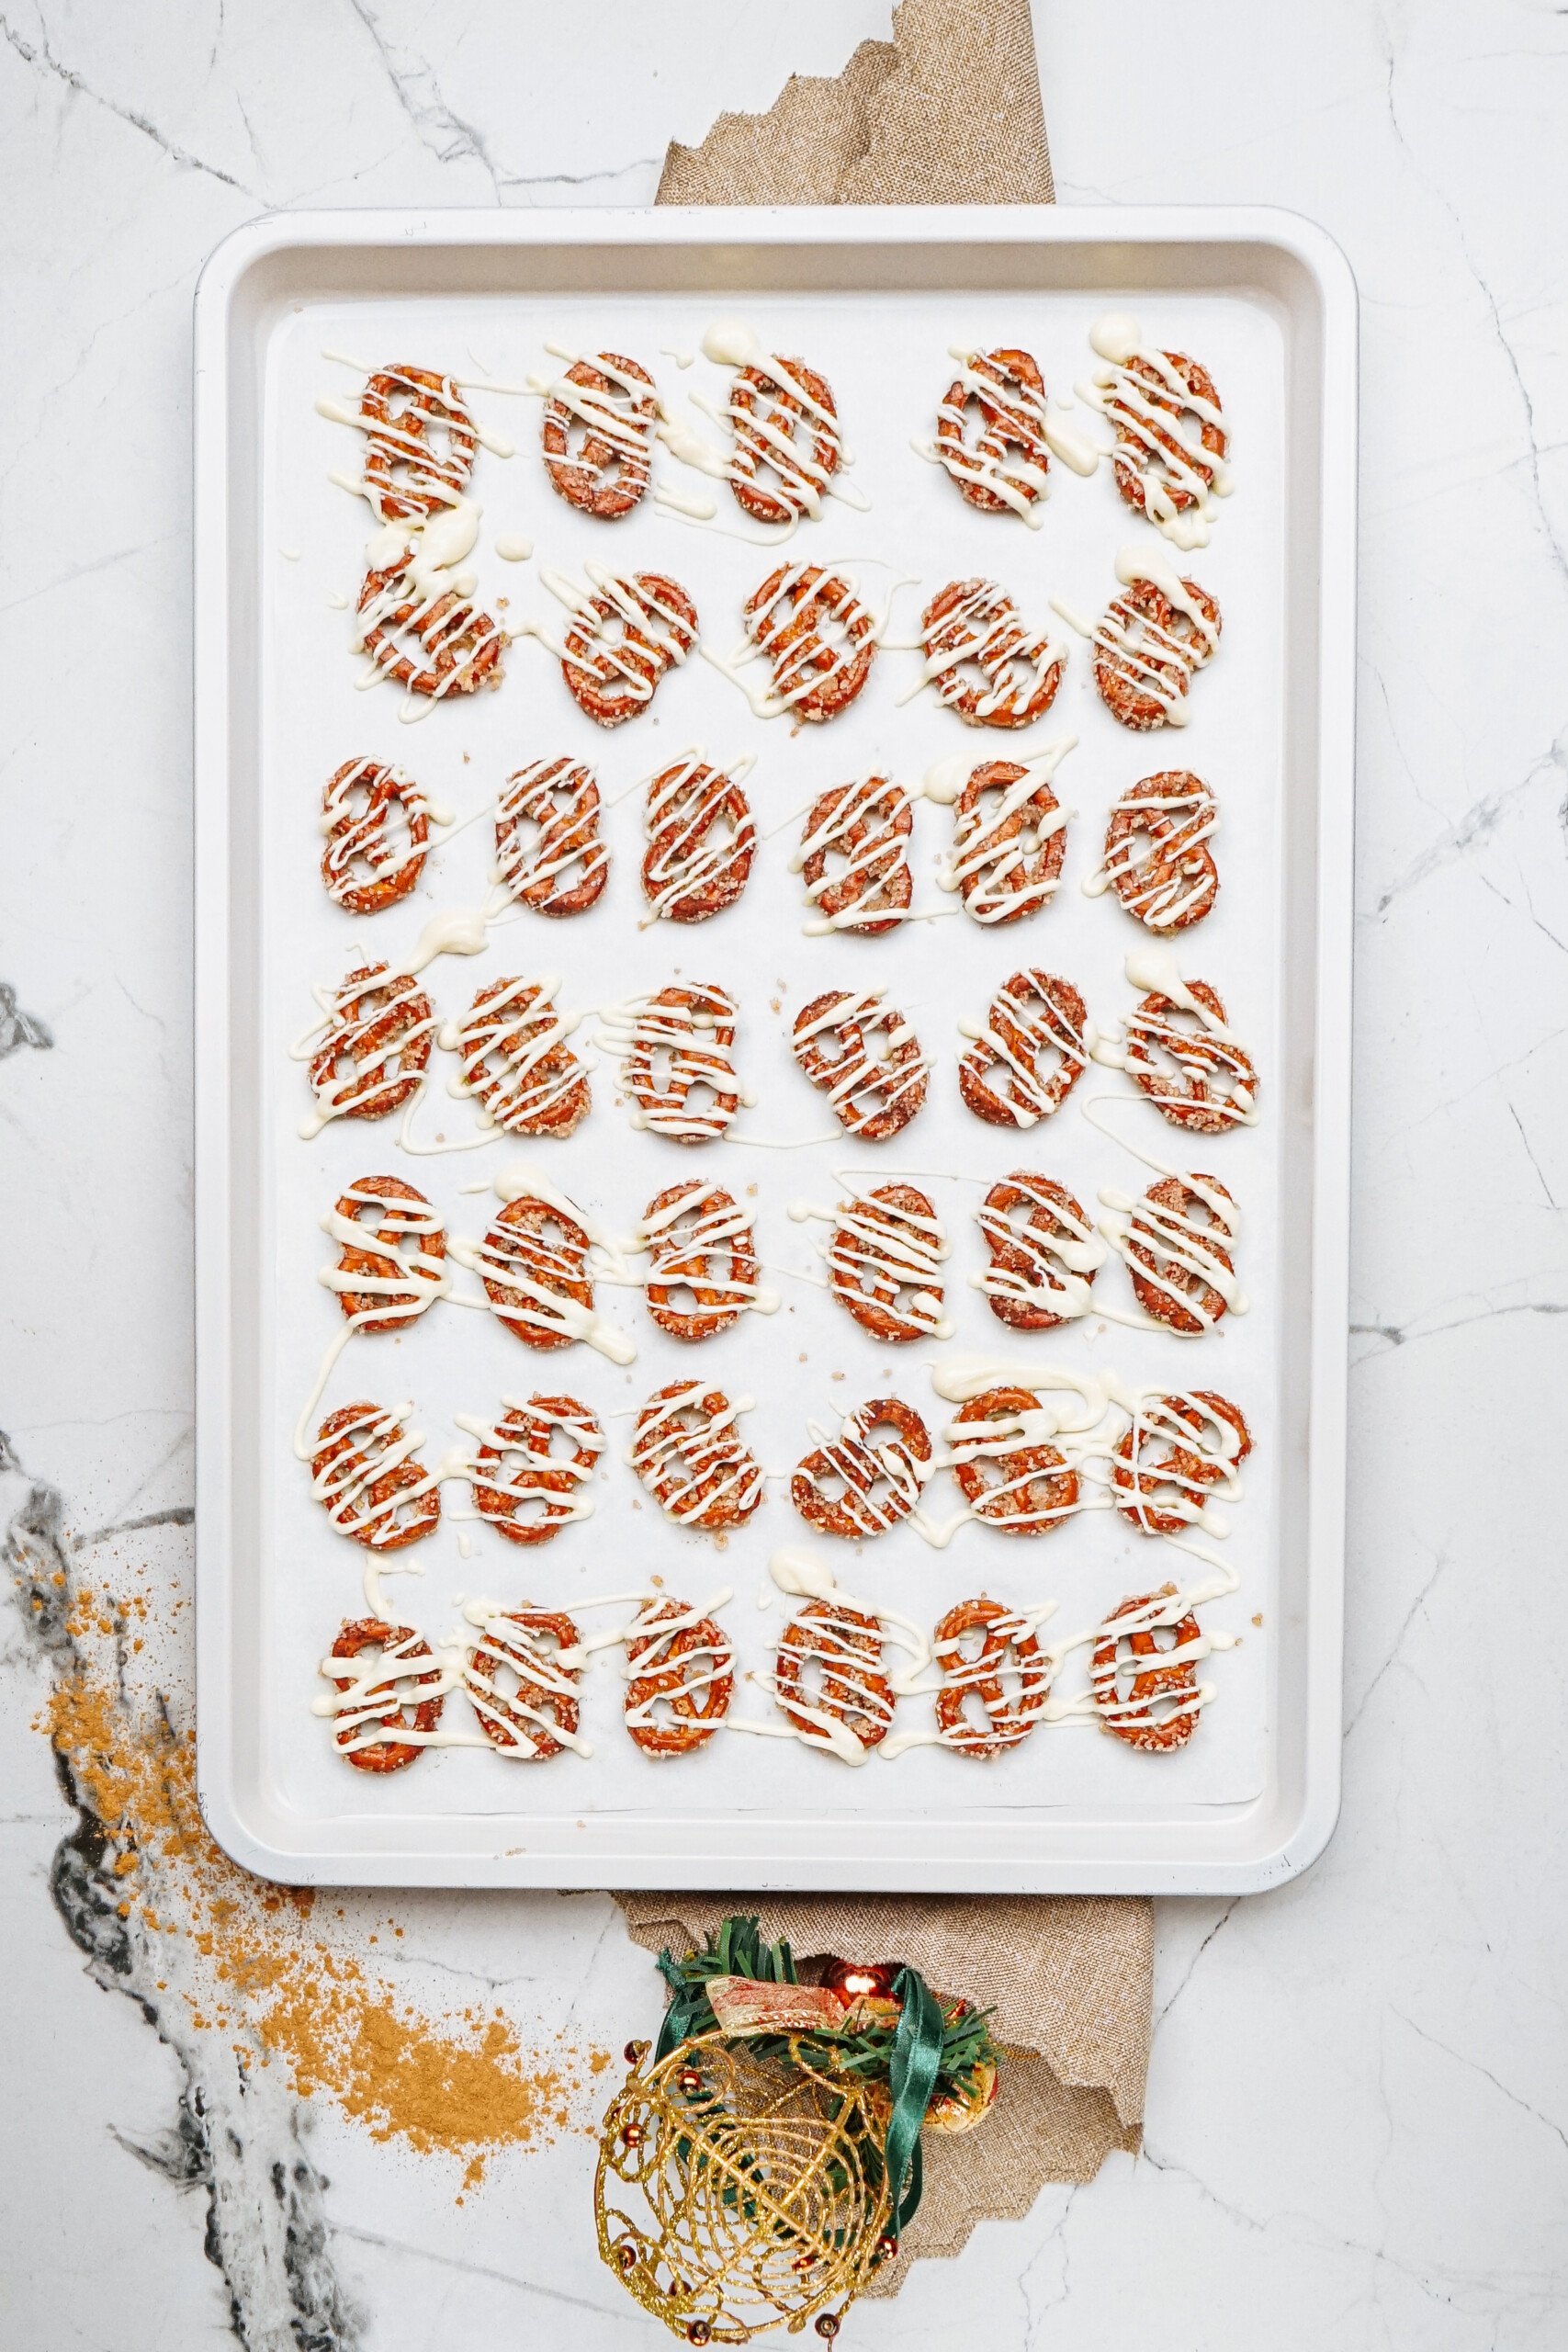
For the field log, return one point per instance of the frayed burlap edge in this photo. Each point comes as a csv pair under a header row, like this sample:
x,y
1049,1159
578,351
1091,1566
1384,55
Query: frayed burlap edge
x,y
947,112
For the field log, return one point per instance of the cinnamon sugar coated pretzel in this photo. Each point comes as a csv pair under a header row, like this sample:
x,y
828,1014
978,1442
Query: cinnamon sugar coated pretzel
x,y
366,1475
701,841
420,442
598,435
1030,1054
1181,1450
680,1675
984,662
817,635
430,640
1177,1242
533,1263
854,856
516,1061
861,1483
675,1061
884,1258
992,1664
517,1686
523,1485
1154,637
865,1058
382,1724
690,1456
1145,1692
376,821
1042,1263
1157,857
392,1261
829,1664
701,1245
548,850
1011,1479
374,1047
1008,840
1190,1068
1164,466
786,431
623,641
990,432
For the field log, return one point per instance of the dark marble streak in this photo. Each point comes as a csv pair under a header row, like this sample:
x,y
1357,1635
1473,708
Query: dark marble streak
x,y
237,2134
18,1028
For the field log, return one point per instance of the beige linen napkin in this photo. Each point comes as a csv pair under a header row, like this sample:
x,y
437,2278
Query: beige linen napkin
x,y
948,111
1068,1979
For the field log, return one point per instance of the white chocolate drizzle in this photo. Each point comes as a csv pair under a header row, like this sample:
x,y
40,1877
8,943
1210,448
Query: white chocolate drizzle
x,y
987,849
1153,440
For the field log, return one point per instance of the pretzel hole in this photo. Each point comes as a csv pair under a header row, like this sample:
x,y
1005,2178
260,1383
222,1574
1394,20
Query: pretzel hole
x,y
403,1691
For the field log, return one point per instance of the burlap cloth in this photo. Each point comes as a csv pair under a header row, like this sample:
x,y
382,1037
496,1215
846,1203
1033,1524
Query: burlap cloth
x,y
948,112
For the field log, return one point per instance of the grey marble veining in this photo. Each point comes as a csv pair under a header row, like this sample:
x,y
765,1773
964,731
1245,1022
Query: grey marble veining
x,y
1358,2125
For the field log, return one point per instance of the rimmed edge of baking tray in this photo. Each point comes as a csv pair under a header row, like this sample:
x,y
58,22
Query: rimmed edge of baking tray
x,y
1256,1847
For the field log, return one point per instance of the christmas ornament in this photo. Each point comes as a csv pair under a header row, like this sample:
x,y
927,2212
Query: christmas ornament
x,y
761,2159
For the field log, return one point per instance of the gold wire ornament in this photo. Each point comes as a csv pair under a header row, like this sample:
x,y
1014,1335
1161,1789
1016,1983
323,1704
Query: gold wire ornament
x,y
735,2193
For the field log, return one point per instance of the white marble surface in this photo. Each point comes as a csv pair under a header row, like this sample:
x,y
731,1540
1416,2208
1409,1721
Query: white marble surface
x,y
1358,2122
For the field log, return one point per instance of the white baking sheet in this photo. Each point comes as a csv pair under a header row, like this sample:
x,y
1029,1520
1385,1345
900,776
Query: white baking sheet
x,y
887,357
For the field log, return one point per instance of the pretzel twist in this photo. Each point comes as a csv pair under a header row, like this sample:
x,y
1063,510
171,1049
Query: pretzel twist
x,y
692,1459
884,1258
1008,840
1002,467
1157,857
373,1705
520,1484
829,1662
865,1058
785,426
1005,1672
367,1477
680,1677
435,643
516,1061
1161,471
392,1261
679,1044
1149,648
560,865
1011,1480
610,407
854,856
1041,1270
533,1263
818,636
420,442
1178,1245
701,842
859,1485
701,1242
525,1646
984,662
1180,1450
376,821
375,1047
1188,1064
1031,1053
1152,1707
622,641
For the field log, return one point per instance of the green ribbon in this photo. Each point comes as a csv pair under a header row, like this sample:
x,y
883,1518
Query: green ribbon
x,y
911,2077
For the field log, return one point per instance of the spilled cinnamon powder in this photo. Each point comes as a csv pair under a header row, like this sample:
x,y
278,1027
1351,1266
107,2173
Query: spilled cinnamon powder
x,y
257,1965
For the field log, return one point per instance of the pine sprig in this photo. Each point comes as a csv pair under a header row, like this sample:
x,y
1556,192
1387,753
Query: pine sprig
x,y
865,2049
